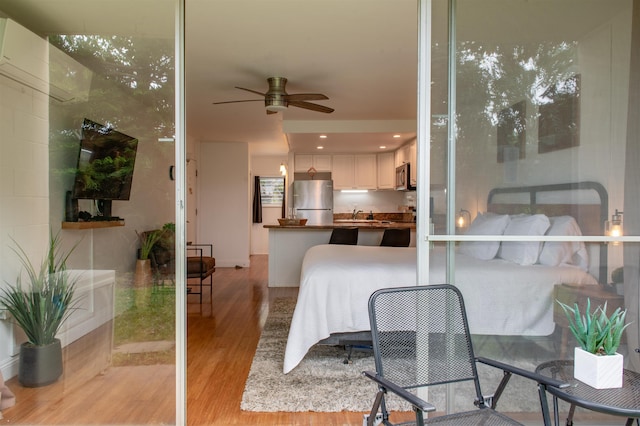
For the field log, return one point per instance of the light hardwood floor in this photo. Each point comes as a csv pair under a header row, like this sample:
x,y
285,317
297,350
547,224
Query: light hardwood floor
x,y
221,341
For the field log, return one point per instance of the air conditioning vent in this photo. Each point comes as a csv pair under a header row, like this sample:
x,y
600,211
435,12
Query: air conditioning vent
x,y
29,59
24,56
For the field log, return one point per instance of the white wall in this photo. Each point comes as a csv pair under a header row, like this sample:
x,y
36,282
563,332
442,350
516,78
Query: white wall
x,y
223,201
24,183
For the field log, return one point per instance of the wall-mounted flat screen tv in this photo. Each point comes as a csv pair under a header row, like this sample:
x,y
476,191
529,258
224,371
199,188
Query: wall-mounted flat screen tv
x,y
105,163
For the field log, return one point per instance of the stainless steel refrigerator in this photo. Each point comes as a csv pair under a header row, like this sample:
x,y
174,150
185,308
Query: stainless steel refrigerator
x,y
313,200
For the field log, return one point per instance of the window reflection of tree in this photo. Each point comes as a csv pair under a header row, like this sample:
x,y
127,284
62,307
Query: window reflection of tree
x,y
491,78
141,68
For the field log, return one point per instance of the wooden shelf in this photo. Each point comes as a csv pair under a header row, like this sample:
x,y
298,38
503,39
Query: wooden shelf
x,y
92,225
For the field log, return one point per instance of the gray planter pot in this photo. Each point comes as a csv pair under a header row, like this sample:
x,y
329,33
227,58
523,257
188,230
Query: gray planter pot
x,y
40,365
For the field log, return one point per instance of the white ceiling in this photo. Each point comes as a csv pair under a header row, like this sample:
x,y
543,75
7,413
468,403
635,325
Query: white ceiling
x,y
362,54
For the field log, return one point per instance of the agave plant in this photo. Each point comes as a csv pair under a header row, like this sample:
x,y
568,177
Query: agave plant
x,y
596,332
41,307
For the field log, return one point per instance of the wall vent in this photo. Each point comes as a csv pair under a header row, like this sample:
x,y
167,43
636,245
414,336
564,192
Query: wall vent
x,y
30,60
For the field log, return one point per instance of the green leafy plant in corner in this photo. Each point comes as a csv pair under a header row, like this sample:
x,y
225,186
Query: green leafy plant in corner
x,y
596,332
147,241
45,304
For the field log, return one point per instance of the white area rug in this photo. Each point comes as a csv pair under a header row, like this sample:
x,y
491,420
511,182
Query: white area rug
x,y
323,383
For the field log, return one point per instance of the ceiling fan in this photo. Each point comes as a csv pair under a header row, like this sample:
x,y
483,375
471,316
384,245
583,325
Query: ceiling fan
x,y
277,99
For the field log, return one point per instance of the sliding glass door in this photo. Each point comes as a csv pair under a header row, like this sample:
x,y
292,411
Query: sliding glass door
x,y
88,133
531,131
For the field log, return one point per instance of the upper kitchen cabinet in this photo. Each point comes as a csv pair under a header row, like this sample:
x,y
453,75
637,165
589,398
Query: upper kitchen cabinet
x,y
303,162
354,171
407,154
386,170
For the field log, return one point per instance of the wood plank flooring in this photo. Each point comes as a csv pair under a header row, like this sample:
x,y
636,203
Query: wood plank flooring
x,y
221,341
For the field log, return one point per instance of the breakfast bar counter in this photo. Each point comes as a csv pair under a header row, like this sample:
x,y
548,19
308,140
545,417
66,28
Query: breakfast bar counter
x,y
363,225
289,243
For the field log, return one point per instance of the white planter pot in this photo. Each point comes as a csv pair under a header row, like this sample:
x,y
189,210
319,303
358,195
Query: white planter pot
x,y
597,371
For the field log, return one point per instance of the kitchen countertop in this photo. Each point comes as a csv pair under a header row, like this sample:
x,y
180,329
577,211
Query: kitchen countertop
x,y
361,224
288,244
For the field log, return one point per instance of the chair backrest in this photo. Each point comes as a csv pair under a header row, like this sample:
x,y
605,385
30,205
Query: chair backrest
x,y
396,237
347,236
421,336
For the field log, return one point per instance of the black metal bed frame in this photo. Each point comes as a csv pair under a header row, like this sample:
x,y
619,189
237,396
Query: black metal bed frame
x,y
535,190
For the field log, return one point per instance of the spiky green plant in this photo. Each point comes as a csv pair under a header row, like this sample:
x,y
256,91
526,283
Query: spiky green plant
x,y
147,241
596,332
41,307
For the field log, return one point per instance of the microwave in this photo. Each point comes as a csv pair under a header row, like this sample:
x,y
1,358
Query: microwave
x,y
403,178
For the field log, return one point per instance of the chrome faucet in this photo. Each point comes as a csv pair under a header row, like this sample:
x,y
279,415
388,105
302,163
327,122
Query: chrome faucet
x,y
355,214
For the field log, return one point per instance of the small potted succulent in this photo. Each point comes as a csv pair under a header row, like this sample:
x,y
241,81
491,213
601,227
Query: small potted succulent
x,y
596,361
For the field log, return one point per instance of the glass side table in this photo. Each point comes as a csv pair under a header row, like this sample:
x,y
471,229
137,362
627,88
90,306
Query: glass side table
x,y
624,401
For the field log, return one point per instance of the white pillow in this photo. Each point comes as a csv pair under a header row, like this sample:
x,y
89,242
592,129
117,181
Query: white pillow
x,y
564,253
485,224
524,253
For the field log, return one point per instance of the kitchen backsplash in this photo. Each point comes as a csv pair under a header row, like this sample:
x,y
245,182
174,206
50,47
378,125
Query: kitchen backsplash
x,y
373,201
393,217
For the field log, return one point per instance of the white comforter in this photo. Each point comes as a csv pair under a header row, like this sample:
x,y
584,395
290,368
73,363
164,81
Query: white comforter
x,y
501,297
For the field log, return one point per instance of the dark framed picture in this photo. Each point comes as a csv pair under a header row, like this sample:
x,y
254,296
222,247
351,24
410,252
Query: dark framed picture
x,y
512,132
559,119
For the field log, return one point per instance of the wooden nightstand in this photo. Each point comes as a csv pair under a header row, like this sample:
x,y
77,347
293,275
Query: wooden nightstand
x,y
576,293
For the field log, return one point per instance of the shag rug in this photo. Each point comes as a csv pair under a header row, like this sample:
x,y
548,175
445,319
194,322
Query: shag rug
x,y
322,382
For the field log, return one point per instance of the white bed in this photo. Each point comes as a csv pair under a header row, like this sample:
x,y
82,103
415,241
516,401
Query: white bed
x,y
336,282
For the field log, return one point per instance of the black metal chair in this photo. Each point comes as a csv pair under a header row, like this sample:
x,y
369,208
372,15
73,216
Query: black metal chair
x,y
348,236
396,237
421,338
200,266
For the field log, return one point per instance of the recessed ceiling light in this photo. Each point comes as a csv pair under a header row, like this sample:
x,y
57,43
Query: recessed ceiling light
x,y
396,136
323,136
383,147
320,147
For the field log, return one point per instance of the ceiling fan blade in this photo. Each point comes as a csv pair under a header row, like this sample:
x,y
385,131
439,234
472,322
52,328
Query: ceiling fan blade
x,y
250,90
233,102
310,106
306,97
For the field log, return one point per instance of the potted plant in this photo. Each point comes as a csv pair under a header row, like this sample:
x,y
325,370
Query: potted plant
x,y
596,361
143,276
40,308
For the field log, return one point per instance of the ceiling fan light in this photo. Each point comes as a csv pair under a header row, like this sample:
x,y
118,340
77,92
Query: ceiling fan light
x,y
276,108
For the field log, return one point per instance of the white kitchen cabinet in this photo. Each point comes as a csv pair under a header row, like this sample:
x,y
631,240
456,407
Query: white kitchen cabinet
x,y
407,154
413,168
386,170
322,163
354,171
366,171
303,162
342,172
